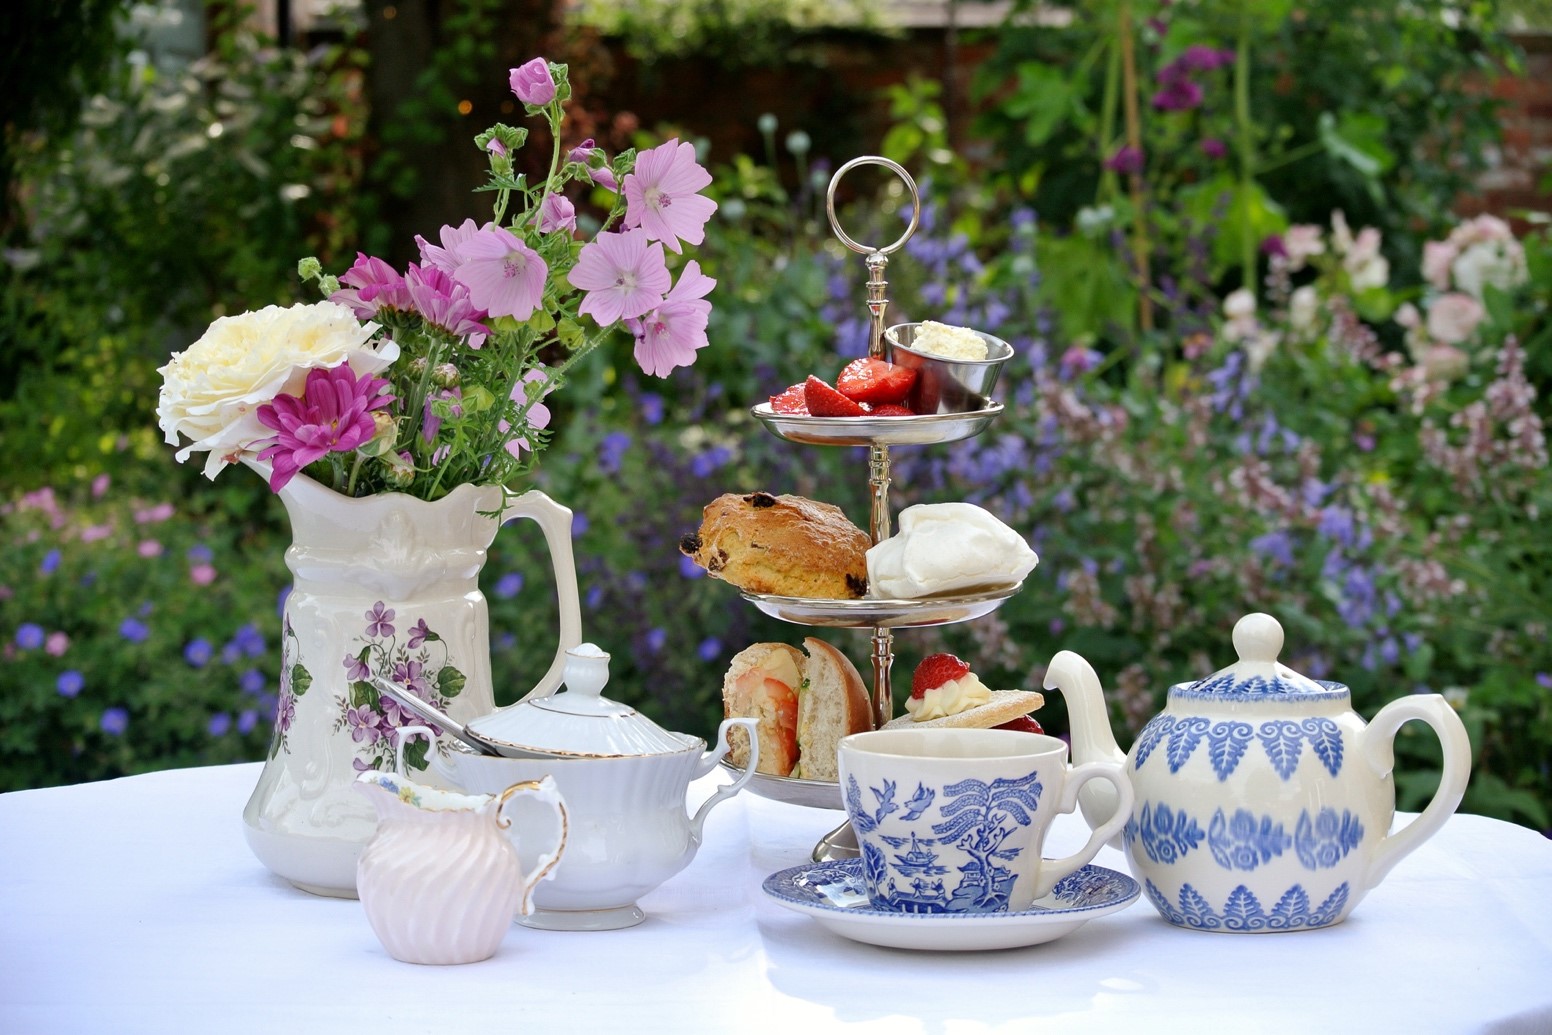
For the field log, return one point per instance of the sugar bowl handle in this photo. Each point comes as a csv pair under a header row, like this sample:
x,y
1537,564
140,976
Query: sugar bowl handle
x,y
716,755
1377,746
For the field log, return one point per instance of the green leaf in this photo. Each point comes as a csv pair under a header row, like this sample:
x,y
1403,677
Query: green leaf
x,y
1083,282
450,681
362,694
1205,204
1043,97
301,679
415,751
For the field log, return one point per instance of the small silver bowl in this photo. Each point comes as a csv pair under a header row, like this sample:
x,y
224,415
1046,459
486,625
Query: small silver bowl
x,y
946,385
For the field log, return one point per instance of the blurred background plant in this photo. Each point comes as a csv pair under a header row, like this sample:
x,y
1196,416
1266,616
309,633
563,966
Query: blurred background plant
x,y
1351,438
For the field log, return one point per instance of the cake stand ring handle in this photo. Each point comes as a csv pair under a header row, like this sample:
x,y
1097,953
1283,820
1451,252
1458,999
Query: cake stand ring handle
x,y
910,185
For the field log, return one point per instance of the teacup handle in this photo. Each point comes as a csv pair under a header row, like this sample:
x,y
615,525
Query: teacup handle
x,y
555,522
402,734
1053,870
1377,744
716,755
544,791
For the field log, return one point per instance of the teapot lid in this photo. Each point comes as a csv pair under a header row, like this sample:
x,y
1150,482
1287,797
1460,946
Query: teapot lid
x,y
1258,639
578,721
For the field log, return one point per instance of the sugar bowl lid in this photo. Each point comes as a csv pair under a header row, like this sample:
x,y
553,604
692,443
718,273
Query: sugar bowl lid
x,y
1258,639
577,721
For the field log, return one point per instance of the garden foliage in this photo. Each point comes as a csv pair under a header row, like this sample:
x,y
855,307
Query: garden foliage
x,y
1350,437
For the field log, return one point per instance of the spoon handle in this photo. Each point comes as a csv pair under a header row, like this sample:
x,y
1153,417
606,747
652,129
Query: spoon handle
x,y
428,713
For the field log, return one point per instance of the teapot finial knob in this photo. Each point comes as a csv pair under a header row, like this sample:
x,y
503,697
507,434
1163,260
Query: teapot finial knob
x,y
1258,637
587,670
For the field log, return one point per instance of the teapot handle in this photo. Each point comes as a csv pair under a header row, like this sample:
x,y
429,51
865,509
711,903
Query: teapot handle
x,y
716,755
555,521
1377,745
545,791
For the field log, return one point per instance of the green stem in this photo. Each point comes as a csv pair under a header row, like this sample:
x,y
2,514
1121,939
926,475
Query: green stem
x,y
1247,145
355,470
553,113
1109,183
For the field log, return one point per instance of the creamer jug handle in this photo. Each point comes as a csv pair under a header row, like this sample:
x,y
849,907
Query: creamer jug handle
x,y
1377,745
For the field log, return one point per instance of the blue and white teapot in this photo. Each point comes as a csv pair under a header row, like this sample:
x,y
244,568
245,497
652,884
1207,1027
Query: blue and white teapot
x,y
1262,801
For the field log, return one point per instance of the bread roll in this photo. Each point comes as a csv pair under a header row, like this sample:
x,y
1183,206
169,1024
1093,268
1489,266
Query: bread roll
x,y
803,707
782,545
831,704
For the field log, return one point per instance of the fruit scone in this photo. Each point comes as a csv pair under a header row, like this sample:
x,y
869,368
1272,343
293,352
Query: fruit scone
x,y
944,692
782,545
803,705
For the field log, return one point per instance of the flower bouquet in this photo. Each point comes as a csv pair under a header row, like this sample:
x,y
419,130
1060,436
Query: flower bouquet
x,y
424,380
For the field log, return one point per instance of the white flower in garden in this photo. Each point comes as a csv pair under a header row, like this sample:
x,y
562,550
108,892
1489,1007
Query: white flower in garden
x,y
1303,310
1240,306
1408,316
1438,257
1302,243
1453,318
1443,362
1366,268
1499,263
211,391
1259,346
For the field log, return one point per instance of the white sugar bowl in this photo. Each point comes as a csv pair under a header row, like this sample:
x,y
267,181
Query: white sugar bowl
x,y
625,782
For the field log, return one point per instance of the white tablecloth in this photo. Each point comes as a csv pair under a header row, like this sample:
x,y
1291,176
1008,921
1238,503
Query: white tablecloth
x,y
134,906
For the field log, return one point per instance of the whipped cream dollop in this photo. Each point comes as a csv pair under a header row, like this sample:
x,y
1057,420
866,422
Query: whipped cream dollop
x,y
947,341
953,697
943,547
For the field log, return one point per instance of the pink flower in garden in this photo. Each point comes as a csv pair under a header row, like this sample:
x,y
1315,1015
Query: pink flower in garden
x,y
1300,243
371,284
100,486
538,416
443,302
1453,318
668,336
1214,148
533,83
149,548
661,198
56,644
1126,161
1438,256
445,258
332,415
504,276
1443,362
92,533
496,147
430,420
604,177
1178,95
557,213
624,276
583,152
202,574
153,515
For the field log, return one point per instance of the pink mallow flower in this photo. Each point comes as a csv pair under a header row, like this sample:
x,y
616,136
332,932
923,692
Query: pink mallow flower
x,y
623,274
371,284
333,415
445,258
538,416
661,198
668,336
557,212
533,83
504,276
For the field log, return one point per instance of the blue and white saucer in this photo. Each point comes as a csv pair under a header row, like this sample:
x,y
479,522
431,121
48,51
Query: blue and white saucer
x,y
833,893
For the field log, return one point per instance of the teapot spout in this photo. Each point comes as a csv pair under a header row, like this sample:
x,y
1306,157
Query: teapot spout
x,y
1092,740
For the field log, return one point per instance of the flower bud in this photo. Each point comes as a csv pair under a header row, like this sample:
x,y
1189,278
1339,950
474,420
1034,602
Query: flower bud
x,y
767,124
399,471
798,142
418,366
444,375
383,438
309,268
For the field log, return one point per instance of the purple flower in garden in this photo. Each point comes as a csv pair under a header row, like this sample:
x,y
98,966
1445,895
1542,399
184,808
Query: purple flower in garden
x,y
134,630
1336,523
69,683
252,681
219,725
611,451
29,636
504,276
509,585
114,721
661,195
1126,161
1277,546
578,523
1178,95
371,284
533,83
333,415
249,640
445,302
656,637
709,649
198,652
445,257
689,569
604,177
1199,58
710,461
379,621
595,596
669,335
583,152
651,408
419,633
246,720
623,274
356,670
50,563
1214,148
557,213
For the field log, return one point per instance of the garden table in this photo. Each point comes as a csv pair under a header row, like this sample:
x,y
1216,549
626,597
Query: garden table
x,y
134,905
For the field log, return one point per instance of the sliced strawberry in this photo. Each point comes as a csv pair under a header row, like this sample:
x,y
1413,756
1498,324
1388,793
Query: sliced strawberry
x,y
890,410
824,401
1023,724
934,671
790,401
875,381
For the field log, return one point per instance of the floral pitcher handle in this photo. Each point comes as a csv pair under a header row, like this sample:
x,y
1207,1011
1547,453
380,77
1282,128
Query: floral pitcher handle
x,y
554,521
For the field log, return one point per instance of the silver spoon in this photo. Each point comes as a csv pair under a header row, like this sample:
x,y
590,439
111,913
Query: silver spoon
x,y
429,713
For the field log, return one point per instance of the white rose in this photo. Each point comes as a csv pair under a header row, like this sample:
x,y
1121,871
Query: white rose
x,y
212,390
1499,263
1375,273
1453,318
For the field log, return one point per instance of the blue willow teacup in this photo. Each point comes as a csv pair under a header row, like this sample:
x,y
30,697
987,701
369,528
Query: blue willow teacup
x,y
952,820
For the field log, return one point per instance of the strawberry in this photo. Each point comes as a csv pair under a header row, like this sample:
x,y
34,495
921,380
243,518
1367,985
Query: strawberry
x,y
889,410
824,401
790,401
934,671
1023,724
871,380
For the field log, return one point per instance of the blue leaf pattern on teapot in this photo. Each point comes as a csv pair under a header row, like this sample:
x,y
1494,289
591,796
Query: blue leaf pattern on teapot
x,y
1244,912
1282,739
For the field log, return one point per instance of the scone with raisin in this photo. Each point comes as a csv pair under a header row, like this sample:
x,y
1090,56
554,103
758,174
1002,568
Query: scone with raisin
x,y
787,546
